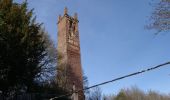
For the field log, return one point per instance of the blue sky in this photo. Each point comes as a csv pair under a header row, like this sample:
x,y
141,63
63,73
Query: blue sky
x,y
113,41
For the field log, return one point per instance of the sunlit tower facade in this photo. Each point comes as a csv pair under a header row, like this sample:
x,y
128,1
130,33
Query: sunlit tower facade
x,y
69,71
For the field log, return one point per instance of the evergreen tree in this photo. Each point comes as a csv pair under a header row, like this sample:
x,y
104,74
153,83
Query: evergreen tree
x,y
25,49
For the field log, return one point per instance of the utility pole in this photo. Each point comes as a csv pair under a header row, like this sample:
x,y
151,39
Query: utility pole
x,y
75,94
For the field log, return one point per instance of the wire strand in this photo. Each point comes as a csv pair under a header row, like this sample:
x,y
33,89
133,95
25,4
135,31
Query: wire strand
x,y
116,79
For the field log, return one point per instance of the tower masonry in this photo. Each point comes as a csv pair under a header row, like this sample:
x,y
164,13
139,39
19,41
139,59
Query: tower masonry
x,y
69,71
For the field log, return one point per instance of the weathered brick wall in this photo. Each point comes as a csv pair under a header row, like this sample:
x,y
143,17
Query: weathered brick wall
x,y
69,48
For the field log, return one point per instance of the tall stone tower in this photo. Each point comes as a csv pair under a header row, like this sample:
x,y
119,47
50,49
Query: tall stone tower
x,y
69,70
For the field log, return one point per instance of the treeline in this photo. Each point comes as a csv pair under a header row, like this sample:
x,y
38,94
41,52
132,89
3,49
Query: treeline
x,y
135,93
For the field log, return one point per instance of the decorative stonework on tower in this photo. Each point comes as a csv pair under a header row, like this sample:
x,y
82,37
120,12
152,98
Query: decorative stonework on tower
x,y
69,71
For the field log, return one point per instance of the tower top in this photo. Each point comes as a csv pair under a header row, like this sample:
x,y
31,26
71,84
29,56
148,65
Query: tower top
x,y
74,17
65,10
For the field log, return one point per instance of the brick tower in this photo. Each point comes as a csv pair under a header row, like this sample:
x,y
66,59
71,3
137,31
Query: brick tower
x,y
69,71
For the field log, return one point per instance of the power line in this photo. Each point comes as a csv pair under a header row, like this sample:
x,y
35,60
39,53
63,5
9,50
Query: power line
x,y
116,79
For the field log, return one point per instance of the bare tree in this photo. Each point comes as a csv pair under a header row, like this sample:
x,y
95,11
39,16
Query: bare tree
x,y
95,94
160,17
